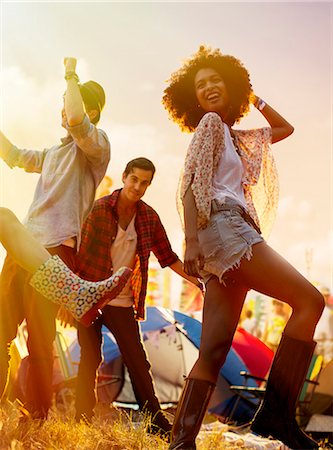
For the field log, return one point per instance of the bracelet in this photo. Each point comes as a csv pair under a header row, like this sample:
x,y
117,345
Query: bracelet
x,y
71,75
260,104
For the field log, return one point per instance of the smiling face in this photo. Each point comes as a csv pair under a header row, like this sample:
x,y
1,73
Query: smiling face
x,y
136,183
211,91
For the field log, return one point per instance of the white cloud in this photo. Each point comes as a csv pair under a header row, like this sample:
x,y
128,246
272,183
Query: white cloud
x,y
299,209
30,109
148,87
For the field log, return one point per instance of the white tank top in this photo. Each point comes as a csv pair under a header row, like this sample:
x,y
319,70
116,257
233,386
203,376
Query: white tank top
x,y
227,181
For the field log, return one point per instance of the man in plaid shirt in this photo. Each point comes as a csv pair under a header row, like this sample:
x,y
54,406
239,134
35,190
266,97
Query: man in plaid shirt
x,y
122,230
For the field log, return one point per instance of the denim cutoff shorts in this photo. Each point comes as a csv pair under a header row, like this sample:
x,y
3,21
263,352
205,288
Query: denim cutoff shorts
x,y
226,240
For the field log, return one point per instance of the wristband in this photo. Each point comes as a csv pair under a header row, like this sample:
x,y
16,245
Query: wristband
x,y
260,104
71,75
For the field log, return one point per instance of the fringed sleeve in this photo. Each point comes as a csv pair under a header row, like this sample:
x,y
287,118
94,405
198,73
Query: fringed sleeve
x,y
261,184
201,161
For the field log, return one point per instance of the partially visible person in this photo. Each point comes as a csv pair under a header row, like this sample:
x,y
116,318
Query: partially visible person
x,y
324,329
123,230
104,187
274,326
69,175
229,193
249,324
52,278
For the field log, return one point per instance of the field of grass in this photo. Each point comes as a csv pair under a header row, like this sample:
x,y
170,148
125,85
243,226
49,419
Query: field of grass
x,y
112,429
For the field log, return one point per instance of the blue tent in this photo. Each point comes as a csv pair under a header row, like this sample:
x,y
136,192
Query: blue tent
x,y
171,340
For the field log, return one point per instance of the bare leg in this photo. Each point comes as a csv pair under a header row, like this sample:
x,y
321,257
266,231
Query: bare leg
x,y
267,272
19,243
270,274
83,304
222,308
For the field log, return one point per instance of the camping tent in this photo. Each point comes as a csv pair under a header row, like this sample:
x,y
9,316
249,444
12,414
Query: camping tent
x,y
172,340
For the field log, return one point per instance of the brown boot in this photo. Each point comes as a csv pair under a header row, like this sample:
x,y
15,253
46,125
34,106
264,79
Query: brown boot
x,y
160,425
190,412
276,415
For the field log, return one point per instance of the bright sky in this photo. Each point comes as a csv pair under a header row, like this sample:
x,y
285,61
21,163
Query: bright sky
x,y
131,49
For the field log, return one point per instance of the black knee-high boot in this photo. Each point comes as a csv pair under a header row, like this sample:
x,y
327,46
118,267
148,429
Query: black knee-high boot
x,y
276,415
190,412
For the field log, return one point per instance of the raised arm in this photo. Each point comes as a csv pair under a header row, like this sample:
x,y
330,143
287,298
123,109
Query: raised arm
x,y
281,128
79,119
29,160
5,146
74,108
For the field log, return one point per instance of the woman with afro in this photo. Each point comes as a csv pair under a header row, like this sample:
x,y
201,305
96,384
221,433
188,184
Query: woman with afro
x,y
228,198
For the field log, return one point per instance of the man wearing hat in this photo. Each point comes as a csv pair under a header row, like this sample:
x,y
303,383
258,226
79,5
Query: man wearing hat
x,y
70,174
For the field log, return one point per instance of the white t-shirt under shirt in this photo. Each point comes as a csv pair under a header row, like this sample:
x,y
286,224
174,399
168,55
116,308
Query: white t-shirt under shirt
x,y
123,252
227,181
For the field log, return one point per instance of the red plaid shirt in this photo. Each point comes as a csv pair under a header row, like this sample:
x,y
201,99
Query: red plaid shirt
x,y
98,233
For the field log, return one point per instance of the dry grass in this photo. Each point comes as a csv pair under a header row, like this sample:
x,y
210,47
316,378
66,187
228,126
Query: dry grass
x,y
112,429
63,433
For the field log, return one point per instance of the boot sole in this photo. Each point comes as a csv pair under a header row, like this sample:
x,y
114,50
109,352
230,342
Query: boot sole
x,y
275,435
95,312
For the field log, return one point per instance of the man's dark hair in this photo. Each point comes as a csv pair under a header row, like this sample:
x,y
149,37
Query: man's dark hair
x,y
140,163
